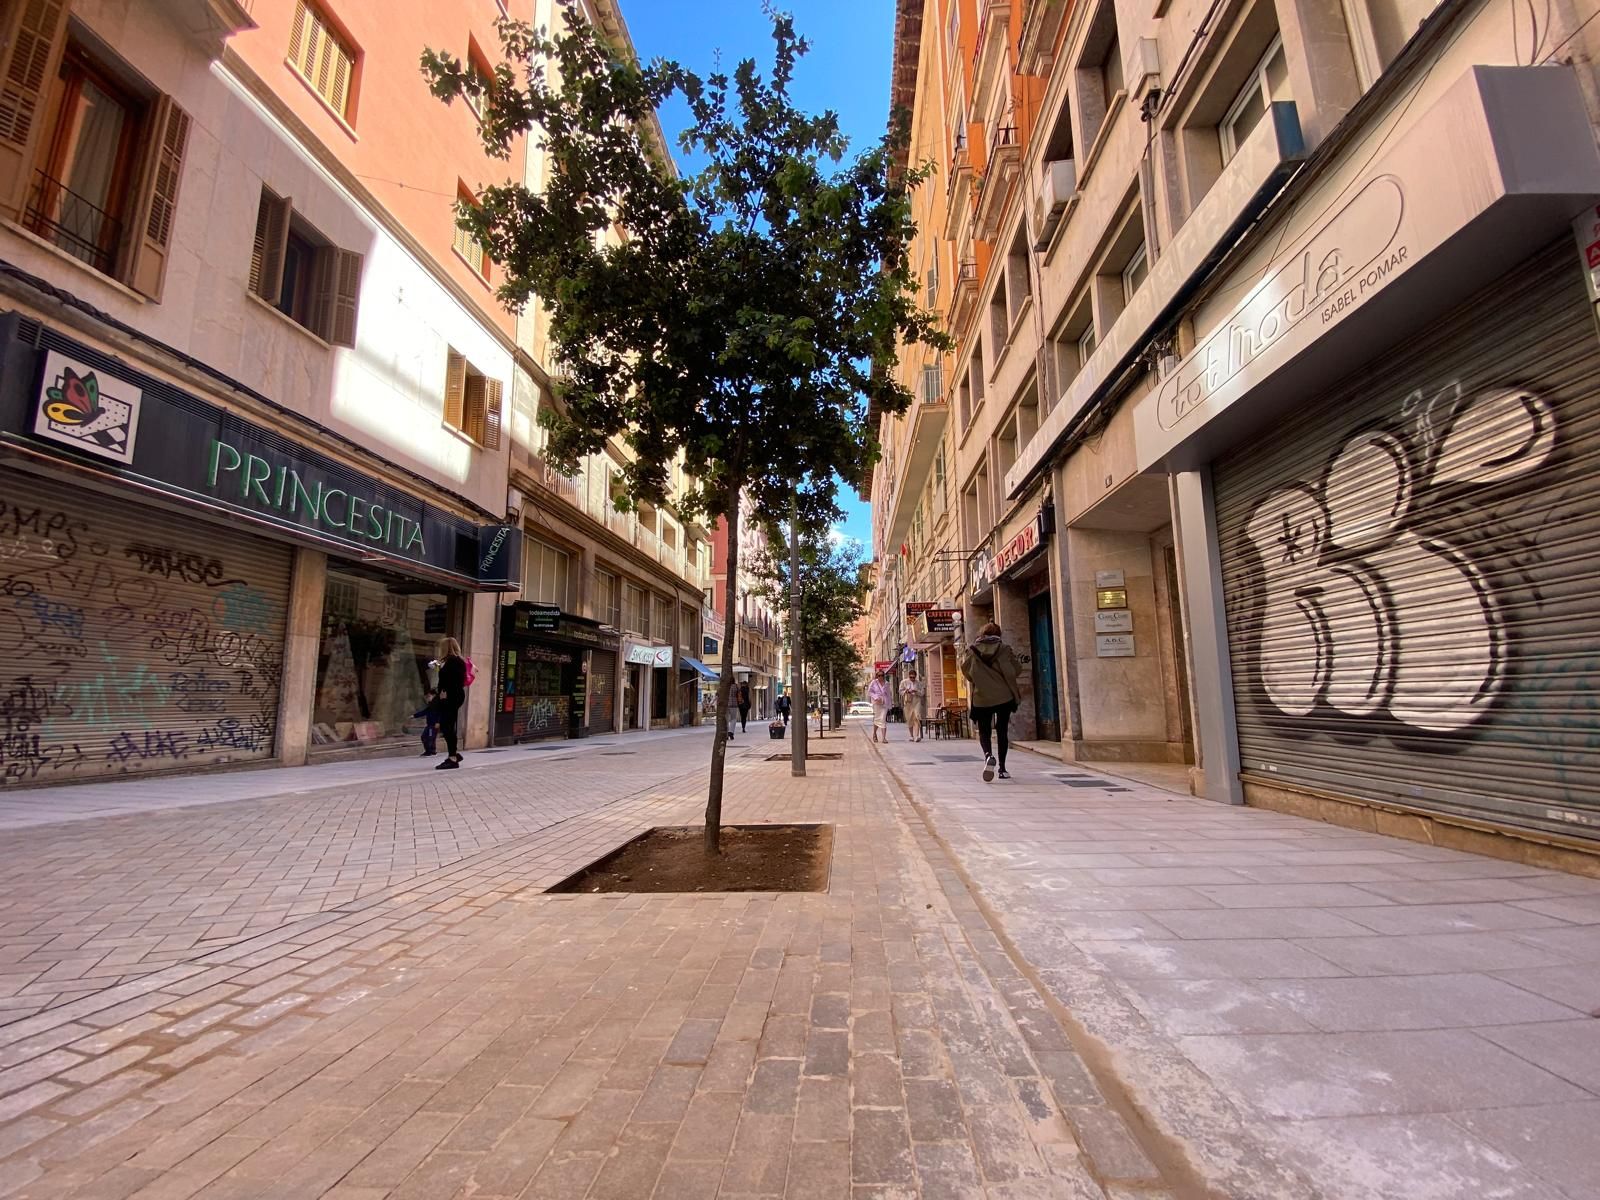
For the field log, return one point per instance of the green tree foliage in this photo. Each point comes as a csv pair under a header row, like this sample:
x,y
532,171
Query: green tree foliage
x,y
744,317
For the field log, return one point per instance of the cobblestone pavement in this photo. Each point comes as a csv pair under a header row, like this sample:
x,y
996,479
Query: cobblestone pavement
x,y
460,1032
1045,990
1377,1017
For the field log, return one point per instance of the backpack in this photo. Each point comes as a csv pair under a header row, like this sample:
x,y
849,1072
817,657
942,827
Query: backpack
x,y
472,672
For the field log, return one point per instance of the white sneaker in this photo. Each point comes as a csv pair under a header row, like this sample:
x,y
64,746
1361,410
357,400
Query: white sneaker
x,y
988,769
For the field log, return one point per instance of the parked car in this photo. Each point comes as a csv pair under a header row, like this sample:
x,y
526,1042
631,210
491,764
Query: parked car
x,y
860,708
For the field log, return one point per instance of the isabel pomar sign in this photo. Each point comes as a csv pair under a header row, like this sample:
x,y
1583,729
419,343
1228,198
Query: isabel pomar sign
x,y
70,398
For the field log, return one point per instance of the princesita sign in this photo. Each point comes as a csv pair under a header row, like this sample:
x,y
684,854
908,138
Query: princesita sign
x,y
81,403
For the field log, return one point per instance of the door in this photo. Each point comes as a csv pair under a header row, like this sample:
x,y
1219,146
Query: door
x,y
1412,569
1042,630
133,640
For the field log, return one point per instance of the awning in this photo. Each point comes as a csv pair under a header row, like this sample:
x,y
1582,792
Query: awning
x,y
694,664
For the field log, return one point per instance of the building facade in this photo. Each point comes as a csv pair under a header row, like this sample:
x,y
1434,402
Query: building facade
x,y
757,624
1276,345
254,387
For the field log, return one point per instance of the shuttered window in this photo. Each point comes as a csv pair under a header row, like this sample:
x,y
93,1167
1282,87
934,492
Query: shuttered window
x,y
546,574
324,58
467,246
88,162
472,402
301,274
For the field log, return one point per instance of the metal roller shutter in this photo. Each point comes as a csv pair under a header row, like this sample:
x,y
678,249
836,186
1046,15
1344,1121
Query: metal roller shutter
x,y
133,640
1412,569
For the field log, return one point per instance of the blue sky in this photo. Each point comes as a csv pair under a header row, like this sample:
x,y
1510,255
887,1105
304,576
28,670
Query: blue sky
x,y
847,70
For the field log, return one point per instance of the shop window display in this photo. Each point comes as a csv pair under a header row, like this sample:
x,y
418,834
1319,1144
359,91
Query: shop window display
x,y
372,669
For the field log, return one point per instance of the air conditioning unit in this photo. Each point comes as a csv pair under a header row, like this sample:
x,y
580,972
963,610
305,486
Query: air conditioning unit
x,y
1057,184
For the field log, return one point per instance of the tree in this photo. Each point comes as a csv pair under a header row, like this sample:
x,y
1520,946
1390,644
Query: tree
x,y
829,588
746,317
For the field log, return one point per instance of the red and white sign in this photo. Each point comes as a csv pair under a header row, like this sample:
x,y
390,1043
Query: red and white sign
x,y
1018,548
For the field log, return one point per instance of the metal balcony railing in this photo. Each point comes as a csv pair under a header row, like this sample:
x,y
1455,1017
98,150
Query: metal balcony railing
x,y
65,219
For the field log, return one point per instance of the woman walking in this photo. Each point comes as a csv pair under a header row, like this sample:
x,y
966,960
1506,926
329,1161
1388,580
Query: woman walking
x,y
911,705
992,668
879,693
452,695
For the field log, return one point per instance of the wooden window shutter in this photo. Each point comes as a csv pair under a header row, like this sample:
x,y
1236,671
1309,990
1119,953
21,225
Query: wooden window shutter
x,y
455,390
271,244
304,23
346,293
473,407
158,198
33,34
491,414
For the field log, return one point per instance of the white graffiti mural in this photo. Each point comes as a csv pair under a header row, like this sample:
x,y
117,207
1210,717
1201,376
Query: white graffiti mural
x,y
1364,612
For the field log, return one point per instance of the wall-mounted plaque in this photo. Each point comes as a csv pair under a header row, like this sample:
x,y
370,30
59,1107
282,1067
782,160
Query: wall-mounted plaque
x,y
1113,645
1111,598
1114,620
1110,579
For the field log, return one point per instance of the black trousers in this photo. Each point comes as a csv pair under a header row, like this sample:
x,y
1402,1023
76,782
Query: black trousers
x,y
448,713
998,716
744,715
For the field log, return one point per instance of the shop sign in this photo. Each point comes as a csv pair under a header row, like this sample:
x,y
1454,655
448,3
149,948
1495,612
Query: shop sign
x,y
982,571
1587,230
884,665
543,618
1022,545
1113,645
649,656
942,620
143,429
915,608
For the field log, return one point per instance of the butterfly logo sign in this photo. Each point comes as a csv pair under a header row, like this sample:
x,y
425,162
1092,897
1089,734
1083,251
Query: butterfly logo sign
x,y
84,408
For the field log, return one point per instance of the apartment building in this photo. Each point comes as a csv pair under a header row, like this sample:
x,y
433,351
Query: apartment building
x,y
255,388
1276,355
624,652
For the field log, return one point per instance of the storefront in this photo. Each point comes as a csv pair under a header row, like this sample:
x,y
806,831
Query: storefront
x,y
148,559
1015,578
555,676
1384,453
647,685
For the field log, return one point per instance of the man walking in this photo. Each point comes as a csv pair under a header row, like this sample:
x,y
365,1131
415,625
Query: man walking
x,y
783,710
743,701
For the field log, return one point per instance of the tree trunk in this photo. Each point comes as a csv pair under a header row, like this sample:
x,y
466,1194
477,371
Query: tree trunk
x,y
730,619
797,729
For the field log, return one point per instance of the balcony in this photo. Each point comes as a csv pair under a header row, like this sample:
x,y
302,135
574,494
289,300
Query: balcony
x,y
925,431
1041,23
1005,160
210,23
963,296
68,221
958,191
989,62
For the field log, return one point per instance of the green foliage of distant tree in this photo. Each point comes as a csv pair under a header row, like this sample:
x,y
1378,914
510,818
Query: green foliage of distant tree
x,y
745,316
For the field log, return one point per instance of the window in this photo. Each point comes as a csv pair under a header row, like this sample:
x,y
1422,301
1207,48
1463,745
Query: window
x,y
940,497
325,59
1111,72
1268,82
546,573
297,271
932,384
472,402
1097,79
1133,274
663,618
933,286
635,615
1086,344
482,73
464,243
608,598
90,159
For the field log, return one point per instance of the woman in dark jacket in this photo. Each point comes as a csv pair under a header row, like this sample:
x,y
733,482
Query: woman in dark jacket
x,y
992,669
452,695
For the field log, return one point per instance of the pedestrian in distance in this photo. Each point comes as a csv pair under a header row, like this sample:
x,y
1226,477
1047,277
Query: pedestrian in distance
x,y
879,694
429,712
992,668
783,710
455,673
743,702
911,705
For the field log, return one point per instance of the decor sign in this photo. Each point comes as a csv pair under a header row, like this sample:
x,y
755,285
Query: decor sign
x,y
1023,544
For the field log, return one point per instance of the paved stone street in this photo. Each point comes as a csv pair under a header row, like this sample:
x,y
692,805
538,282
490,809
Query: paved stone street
x,y
348,981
